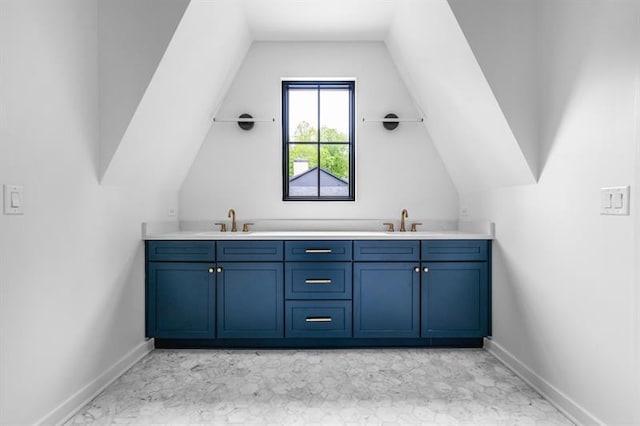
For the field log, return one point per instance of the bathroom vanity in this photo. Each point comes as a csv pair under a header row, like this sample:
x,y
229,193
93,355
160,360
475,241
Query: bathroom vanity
x,y
307,290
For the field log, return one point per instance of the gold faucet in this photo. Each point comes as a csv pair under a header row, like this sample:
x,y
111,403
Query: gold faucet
x,y
232,215
403,216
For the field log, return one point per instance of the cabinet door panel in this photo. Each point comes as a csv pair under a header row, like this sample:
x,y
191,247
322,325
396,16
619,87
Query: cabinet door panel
x,y
455,299
455,250
181,251
386,300
386,251
249,251
181,300
250,300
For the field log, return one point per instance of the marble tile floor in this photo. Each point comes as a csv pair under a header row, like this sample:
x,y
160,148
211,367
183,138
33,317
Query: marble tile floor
x,y
318,387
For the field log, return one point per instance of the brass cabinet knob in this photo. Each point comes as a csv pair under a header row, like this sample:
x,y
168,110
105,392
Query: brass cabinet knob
x,y
211,270
416,269
219,270
425,270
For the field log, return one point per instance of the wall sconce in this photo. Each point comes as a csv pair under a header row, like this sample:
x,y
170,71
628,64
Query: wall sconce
x,y
245,121
391,120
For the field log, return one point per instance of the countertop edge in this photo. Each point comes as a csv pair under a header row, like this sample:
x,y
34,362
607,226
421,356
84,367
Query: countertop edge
x,y
186,236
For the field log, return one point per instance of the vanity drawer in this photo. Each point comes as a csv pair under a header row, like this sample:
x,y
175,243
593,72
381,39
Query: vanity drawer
x,y
312,251
318,319
187,251
316,280
455,250
386,251
249,251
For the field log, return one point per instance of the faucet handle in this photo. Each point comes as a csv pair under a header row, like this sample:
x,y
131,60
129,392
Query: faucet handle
x,y
389,226
223,226
245,227
414,226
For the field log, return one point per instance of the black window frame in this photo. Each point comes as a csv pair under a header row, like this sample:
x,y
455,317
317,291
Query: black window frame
x,y
320,85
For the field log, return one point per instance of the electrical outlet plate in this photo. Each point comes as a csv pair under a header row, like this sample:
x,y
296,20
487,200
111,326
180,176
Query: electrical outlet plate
x,y
614,200
464,212
13,199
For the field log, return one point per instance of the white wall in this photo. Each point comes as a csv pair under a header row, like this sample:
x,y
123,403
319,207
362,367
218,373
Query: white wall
x,y
565,296
394,170
71,268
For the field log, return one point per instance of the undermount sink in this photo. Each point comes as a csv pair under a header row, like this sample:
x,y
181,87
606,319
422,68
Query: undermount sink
x,y
212,233
318,233
315,234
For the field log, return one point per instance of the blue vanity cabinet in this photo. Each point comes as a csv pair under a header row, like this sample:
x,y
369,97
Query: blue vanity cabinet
x,y
330,293
455,293
180,289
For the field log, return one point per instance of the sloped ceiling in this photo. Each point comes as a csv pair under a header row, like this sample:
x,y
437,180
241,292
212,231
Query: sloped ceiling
x,y
502,35
133,36
475,137
462,115
167,128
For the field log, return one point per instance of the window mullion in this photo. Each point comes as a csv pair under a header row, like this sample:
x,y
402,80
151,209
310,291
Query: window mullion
x,y
318,141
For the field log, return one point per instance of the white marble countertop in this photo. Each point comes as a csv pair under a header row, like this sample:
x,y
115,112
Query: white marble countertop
x,y
335,230
319,235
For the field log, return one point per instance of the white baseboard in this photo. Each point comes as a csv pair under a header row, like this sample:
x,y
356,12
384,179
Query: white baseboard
x,y
576,413
75,402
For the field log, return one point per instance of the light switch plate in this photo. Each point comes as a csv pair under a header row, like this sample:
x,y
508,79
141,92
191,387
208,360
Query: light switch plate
x,y
614,200
13,199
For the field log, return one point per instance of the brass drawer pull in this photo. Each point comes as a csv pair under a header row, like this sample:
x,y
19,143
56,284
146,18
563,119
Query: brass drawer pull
x,y
317,251
317,281
318,319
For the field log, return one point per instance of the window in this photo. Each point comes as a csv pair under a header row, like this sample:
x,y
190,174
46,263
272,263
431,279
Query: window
x,y
318,134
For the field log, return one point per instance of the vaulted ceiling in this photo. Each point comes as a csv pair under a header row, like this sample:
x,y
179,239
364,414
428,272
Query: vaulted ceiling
x,y
165,66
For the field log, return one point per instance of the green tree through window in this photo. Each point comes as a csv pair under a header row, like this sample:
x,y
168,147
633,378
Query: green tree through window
x,y
334,158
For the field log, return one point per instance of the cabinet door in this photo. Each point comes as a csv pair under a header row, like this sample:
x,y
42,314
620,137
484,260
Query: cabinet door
x,y
181,300
250,300
455,299
386,300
